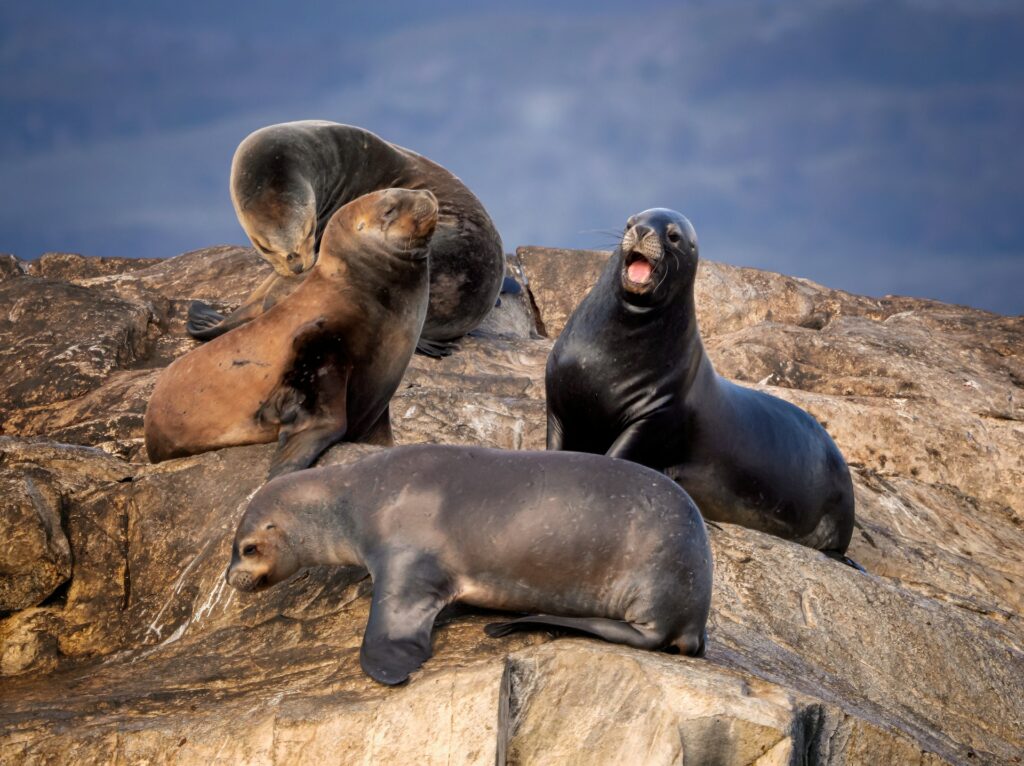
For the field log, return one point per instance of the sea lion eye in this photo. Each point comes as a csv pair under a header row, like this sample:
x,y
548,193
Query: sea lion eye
x,y
673,236
249,550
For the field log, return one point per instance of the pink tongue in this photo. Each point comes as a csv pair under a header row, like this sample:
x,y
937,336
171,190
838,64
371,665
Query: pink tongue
x,y
639,270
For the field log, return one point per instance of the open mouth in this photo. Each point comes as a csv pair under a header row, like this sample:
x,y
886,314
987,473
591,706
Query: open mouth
x,y
639,270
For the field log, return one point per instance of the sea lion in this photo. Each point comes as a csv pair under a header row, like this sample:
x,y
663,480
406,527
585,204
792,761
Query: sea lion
x,y
321,365
286,182
587,544
629,378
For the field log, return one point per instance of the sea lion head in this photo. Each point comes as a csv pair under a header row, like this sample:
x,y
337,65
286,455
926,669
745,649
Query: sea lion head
x,y
263,553
281,223
396,221
658,256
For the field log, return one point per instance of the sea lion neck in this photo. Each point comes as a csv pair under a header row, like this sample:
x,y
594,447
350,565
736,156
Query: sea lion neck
x,y
365,157
670,313
321,534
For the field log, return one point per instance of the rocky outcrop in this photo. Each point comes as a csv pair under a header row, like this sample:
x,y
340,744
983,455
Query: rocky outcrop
x,y
72,267
120,640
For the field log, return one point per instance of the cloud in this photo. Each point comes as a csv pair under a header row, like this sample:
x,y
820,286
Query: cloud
x,y
874,151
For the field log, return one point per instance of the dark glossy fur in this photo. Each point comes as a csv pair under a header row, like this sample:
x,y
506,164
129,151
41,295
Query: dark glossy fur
x,y
629,378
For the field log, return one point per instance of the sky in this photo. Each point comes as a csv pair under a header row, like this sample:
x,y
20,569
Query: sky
x,y
870,146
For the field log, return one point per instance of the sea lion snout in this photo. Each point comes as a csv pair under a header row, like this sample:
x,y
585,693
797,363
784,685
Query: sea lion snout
x,y
415,210
642,251
262,556
409,216
295,263
242,580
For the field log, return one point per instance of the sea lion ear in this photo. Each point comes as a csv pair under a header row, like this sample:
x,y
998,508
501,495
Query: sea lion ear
x,y
270,526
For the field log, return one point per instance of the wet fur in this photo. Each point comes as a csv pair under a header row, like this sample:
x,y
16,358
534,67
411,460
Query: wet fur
x,y
629,377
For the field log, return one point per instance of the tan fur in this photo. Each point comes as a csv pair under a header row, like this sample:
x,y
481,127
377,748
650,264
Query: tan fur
x,y
211,397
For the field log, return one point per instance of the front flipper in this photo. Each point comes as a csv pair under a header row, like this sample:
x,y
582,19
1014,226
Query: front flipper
x,y
379,433
615,631
640,442
555,436
310,403
408,594
844,559
436,349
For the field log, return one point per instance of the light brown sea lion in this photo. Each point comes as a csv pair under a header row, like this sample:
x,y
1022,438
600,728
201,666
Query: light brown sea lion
x,y
321,365
286,182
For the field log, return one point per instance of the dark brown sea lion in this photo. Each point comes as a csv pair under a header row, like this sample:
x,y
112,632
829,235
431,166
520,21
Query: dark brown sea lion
x,y
628,377
321,365
286,182
585,543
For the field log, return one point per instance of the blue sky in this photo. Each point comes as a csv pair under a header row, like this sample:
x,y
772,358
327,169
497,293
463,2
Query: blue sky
x,y
871,146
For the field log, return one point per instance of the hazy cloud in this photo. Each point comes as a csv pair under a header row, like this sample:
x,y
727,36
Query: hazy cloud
x,y
870,146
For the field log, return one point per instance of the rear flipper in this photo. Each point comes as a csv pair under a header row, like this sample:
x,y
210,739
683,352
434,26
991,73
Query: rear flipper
x,y
206,324
510,286
436,348
203,321
407,597
615,631
844,559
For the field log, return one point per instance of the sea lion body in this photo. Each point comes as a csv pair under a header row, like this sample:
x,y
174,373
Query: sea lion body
x,y
321,365
286,182
604,547
629,377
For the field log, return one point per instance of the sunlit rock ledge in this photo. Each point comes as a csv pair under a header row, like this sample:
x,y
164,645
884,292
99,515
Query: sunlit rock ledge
x,y
120,641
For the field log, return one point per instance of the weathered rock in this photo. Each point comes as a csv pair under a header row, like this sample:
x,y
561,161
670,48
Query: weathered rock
x,y
225,275
72,267
59,341
34,555
145,654
558,280
11,266
43,487
653,709
108,417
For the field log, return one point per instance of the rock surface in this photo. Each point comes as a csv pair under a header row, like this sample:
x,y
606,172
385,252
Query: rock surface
x,y
120,641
